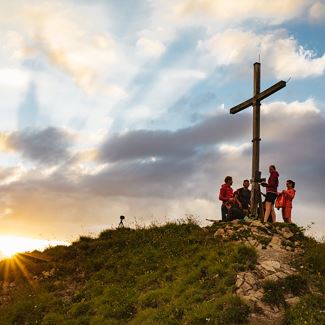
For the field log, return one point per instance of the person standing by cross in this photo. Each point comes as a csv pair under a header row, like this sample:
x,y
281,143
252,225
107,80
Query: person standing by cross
x,y
226,195
289,195
271,193
255,101
242,198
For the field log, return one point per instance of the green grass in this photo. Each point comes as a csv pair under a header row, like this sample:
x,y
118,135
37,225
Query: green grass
x,y
174,274
310,285
310,310
178,273
275,291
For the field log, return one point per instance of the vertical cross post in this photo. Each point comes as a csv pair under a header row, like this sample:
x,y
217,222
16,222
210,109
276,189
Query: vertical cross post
x,y
256,138
255,101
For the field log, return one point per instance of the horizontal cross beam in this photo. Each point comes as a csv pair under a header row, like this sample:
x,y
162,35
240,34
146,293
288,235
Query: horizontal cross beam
x,y
260,96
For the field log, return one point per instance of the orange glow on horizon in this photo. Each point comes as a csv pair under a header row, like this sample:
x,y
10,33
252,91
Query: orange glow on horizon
x,y
11,245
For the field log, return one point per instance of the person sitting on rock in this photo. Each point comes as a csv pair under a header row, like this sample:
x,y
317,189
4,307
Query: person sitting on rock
x,y
242,198
226,195
289,195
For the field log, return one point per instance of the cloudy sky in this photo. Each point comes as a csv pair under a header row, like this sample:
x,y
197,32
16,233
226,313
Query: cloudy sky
x,y
122,107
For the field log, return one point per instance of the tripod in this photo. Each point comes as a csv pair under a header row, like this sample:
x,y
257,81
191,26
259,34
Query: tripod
x,y
121,225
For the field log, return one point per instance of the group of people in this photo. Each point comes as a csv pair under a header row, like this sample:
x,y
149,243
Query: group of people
x,y
237,204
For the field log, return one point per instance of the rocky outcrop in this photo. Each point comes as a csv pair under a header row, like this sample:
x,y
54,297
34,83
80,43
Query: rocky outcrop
x,y
275,246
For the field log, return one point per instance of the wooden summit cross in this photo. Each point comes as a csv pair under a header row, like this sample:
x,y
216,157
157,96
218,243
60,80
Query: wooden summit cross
x,y
255,101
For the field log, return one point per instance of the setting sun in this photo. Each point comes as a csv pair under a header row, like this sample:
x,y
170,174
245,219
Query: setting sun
x,y
10,245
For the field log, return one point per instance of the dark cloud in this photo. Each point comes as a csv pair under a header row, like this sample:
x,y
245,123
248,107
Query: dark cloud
x,y
299,152
45,146
165,178
167,164
181,143
177,181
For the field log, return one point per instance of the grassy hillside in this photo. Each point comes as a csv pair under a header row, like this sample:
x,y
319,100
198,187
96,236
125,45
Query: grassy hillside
x,y
173,274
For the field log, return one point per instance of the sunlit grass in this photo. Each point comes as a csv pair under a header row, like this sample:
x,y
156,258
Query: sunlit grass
x,y
173,274
178,273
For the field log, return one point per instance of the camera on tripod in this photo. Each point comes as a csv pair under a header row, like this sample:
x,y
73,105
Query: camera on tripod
x,y
121,225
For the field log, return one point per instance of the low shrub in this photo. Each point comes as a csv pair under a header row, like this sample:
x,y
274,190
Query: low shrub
x,y
273,293
310,310
246,256
296,284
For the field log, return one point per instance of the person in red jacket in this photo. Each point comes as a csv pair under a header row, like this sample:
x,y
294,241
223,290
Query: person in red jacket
x,y
226,195
271,193
289,195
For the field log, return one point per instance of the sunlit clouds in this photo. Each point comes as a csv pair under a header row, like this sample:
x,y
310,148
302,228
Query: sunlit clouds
x,y
113,108
283,56
58,35
317,12
275,12
294,110
151,48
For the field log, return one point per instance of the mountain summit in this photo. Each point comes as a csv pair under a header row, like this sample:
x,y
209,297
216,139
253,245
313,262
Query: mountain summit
x,y
179,273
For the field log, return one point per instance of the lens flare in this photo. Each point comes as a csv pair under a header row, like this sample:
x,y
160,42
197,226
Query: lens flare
x,y
18,256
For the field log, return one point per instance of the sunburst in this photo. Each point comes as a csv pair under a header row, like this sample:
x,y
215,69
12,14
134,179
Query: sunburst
x,y
17,265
